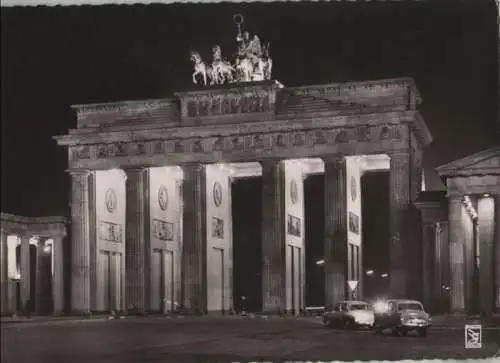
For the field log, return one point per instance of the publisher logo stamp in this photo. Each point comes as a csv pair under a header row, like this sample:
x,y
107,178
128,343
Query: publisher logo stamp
x,y
473,335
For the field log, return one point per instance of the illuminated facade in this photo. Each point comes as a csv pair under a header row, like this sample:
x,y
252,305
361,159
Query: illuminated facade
x,y
461,236
151,202
32,255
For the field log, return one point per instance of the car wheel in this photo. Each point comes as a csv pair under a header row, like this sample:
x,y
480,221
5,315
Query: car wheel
x,y
404,332
378,330
422,332
348,324
396,332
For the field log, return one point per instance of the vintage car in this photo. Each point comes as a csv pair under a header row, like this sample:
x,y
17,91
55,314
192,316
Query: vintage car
x,y
349,314
401,317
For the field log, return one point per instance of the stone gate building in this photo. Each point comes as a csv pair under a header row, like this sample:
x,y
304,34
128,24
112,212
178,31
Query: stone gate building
x,y
151,218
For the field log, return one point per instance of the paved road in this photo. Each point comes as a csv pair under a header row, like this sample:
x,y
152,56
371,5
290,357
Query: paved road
x,y
222,340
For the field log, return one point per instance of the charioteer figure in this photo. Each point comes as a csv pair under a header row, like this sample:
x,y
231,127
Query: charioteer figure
x,y
252,61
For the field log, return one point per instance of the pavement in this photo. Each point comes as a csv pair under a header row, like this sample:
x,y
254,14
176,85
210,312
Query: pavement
x,y
223,339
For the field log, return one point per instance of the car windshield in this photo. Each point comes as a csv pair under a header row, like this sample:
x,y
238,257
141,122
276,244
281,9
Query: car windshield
x,y
410,306
358,307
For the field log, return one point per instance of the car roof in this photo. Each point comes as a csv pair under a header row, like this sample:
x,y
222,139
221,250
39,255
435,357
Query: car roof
x,y
405,301
353,302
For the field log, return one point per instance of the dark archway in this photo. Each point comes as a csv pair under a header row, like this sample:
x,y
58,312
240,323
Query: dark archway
x,y
247,243
314,208
375,227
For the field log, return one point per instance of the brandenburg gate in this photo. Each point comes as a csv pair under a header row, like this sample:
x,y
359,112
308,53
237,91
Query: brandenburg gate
x,y
151,203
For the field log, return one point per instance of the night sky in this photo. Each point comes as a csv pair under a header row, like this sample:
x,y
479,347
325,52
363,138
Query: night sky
x,y
55,57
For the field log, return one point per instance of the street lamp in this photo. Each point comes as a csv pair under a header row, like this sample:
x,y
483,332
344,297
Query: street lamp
x,y
369,272
384,275
320,262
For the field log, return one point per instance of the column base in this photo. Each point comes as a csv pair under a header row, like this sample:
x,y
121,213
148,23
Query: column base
x,y
137,312
82,313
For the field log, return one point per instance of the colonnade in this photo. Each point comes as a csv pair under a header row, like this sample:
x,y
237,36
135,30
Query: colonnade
x,y
32,267
404,230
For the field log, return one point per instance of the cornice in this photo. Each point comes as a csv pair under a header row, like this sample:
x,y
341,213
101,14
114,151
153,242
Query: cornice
x,y
7,217
186,132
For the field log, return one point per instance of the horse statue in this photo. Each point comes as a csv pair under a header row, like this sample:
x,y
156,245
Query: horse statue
x,y
200,68
222,70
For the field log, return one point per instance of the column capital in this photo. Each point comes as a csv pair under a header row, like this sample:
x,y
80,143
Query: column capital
x,y
329,159
399,153
78,172
270,161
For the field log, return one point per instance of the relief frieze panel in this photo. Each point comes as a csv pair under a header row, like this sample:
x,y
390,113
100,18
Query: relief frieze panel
x,y
242,143
227,104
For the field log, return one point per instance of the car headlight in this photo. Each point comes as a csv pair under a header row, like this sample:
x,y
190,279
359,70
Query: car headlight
x,y
380,307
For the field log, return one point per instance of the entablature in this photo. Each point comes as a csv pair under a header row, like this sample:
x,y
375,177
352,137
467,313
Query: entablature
x,y
53,226
380,134
474,184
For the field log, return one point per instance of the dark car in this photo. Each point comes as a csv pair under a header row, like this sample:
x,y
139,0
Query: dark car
x,y
349,314
401,317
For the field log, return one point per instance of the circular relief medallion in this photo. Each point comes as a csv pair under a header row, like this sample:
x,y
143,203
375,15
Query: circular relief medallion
x,y
110,200
294,191
217,194
354,189
163,198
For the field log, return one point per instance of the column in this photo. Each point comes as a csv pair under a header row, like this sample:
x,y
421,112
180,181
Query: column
x,y
441,267
273,237
80,243
194,227
335,230
486,236
4,274
457,246
497,252
40,277
429,236
402,259
58,275
25,274
135,244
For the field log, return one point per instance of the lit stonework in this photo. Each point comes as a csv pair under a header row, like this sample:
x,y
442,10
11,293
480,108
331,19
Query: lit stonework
x,y
473,187
248,130
38,240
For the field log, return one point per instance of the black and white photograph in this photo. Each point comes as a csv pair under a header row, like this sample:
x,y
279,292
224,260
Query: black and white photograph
x,y
386,113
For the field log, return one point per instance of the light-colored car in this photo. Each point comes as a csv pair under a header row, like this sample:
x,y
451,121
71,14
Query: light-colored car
x,y
401,316
349,314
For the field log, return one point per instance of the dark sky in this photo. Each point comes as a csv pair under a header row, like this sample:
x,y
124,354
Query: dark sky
x,y
53,57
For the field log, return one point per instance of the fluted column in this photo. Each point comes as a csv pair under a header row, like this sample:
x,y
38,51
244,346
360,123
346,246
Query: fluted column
x,y
194,233
80,243
4,274
457,247
335,251
135,244
58,275
273,237
486,237
497,252
400,249
25,272
429,236
441,267
41,275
